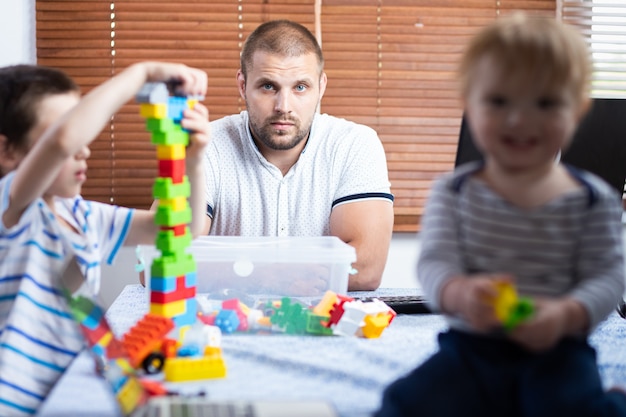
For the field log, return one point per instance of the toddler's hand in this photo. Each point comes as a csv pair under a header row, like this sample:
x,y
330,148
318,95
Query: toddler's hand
x,y
544,330
476,304
474,298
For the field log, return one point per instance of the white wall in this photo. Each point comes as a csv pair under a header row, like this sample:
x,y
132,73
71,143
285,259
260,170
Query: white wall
x,y
17,32
17,46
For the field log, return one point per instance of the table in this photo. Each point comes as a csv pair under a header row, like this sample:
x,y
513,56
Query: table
x,y
350,372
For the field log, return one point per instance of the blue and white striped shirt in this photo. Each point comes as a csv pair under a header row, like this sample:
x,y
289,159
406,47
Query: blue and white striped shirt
x,y
571,245
38,336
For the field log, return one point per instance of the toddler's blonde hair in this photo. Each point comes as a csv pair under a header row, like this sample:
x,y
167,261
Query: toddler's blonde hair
x,y
539,48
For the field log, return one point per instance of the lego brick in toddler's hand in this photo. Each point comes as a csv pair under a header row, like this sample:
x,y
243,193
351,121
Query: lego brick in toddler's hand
x,y
510,309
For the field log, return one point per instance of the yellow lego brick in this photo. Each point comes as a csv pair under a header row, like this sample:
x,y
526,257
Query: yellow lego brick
x,y
165,152
264,322
130,396
169,309
105,339
374,325
182,331
125,366
212,351
176,203
505,300
153,111
244,308
194,368
326,304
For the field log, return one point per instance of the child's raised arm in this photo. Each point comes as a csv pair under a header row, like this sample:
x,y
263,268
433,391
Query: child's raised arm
x,y
75,130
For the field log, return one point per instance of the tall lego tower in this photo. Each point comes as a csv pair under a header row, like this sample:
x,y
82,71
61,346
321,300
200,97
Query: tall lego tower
x,y
173,274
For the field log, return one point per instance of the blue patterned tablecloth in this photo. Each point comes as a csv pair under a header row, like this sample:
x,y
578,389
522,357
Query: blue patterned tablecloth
x,y
349,372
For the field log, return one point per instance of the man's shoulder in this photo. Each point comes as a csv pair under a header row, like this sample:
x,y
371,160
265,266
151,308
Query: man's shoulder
x,y
229,132
326,122
338,132
230,121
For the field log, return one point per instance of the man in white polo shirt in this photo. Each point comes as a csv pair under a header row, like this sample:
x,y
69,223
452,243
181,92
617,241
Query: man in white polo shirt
x,y
282,169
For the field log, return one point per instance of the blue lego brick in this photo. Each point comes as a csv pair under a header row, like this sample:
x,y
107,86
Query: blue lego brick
x,y
92,320
227,321
98,350
162,284
186,319
175,108
191,279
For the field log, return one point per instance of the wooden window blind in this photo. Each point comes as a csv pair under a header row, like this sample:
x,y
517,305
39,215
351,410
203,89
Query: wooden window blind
x,y
603,25
76,37
391,65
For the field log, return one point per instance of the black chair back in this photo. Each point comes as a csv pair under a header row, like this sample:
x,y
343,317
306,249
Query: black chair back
x,y
599,144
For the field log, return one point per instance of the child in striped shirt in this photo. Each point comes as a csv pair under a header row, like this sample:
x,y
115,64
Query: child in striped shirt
x,y
45,132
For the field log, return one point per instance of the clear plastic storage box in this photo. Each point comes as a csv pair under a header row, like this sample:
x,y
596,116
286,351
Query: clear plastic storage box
x,y
269,266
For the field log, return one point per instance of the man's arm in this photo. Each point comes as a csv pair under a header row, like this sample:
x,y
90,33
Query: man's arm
x,y
367,226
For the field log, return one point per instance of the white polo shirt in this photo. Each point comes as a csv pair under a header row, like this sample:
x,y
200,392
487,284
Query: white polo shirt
x,y
342,162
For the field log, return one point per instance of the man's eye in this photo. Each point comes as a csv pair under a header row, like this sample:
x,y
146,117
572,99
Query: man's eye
x,y
300,87
267,86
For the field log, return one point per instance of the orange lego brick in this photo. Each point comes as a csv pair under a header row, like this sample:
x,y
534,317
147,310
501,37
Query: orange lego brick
x,y
146,336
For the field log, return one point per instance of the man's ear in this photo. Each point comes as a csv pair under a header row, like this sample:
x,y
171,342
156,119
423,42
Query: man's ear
x,y
241,84
323,82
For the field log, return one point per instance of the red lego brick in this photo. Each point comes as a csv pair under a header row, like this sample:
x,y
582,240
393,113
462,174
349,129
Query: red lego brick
x,y
181,293
94,335
172,168
179,229
337,311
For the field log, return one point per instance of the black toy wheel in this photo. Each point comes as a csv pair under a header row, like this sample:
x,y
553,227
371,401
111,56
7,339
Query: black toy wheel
x,y
153,363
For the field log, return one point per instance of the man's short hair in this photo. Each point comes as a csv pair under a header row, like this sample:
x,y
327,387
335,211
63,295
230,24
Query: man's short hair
x,y
280,37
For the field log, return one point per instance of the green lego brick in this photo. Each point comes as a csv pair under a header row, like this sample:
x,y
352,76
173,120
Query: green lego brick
x,y
81,307
161,125
291,317
521,312
165,216
314,325
164,188
168,243
171,137
173,265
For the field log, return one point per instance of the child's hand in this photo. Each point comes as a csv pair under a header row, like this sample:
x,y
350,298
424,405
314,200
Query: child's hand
x,y
544,330
189,81
196,121
473,299
477,305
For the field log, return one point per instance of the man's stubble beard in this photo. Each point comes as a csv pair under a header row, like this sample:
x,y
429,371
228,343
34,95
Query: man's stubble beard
x,y
266,134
